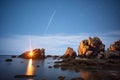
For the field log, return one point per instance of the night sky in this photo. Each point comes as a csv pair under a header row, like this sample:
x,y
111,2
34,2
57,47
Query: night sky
x,y
56,24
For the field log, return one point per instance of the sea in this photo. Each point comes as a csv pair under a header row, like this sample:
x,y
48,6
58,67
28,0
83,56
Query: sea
x,y
44,70
39,68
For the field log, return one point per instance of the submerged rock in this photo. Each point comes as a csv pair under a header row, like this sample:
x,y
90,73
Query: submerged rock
x,y
37,54
24,76
49,66
56,66
70,53
91,47
77,78
38,66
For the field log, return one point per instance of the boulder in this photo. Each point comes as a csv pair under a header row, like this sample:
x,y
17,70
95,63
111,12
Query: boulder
x,y
91,47
37,54
70,53
115,46
114,50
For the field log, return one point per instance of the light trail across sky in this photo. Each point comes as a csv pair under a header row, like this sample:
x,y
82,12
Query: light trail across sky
x,y
49,22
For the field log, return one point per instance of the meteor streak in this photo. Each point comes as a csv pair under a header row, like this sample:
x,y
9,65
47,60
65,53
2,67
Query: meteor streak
x,y
49,22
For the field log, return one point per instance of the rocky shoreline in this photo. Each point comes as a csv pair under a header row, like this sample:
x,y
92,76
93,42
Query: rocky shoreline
x,y
77,64
88,48
107,69
91,56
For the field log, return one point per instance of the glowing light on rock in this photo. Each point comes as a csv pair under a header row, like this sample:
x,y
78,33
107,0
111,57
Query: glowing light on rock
x,y
31,53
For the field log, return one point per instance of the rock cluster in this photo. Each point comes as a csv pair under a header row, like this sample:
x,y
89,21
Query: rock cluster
x,y
70,53
91,47
37,54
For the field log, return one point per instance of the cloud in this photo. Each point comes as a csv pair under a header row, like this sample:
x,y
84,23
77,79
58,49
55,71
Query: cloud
x,y
115,33
54,44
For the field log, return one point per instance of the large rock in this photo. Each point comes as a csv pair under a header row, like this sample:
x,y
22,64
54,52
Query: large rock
x,y
70,53
114,50
91,47
37,54
115,46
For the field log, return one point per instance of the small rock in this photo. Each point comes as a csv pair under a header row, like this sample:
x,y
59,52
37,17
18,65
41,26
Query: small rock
x,y
56,66
38,66
78,78
61,77
8,60
49,66
56,56
13,56
48,56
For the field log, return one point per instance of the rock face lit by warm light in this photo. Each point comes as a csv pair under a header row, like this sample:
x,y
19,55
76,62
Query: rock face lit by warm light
x,y
34,54
91,47
70,53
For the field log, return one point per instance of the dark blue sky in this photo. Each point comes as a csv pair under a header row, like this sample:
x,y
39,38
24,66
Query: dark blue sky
x,y
54,17
71,17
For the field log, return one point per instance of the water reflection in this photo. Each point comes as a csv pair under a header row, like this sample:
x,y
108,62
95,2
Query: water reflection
x,y
30,68
99,75
86,75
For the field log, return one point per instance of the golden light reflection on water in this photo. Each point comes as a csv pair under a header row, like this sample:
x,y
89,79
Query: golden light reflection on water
x,y
30,68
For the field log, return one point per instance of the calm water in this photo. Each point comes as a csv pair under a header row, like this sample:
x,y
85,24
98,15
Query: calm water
x,y
29,67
